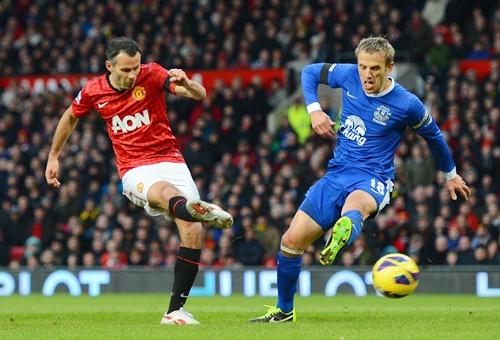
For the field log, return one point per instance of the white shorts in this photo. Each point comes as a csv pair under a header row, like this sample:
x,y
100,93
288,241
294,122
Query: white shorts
x,y
137,181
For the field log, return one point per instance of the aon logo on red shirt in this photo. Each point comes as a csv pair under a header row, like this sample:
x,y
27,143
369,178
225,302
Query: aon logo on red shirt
x,y
130,122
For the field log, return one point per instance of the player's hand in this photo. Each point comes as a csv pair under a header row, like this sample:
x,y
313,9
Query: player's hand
x,y
322,124
52,172
179,77
457,185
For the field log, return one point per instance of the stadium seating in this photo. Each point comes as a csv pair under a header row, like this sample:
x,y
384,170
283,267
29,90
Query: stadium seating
x,y
260,177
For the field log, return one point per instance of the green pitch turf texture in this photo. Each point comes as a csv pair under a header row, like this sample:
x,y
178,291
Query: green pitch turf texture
x,y
137,316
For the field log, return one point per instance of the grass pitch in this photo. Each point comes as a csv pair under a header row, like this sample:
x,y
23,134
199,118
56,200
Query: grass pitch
x,y
137,316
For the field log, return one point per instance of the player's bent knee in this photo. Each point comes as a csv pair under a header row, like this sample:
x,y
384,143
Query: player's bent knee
x,y
161,191
292,241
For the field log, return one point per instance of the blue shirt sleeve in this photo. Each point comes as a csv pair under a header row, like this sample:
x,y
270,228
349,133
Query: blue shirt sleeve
x,y
310,81
421,121
335,76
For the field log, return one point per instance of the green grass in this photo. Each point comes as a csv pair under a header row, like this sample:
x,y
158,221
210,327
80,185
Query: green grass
x,y
137,316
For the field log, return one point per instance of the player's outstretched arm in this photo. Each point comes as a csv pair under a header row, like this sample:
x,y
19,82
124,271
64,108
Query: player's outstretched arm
x,y
186,87
65,127
428,129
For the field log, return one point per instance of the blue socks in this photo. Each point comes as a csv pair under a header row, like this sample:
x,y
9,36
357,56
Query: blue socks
x,y
357,224
288,275
289,267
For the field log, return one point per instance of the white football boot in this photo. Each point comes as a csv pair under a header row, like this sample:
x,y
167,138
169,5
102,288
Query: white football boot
x,y
179,317
209,213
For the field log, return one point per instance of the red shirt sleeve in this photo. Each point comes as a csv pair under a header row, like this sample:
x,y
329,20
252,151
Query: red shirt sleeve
x,y
160,75
83,103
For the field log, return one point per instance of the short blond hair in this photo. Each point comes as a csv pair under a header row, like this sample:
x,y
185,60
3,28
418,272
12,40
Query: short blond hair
x,y
377,45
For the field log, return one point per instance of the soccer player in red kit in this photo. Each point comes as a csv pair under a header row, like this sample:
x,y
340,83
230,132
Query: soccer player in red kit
x,y
130,99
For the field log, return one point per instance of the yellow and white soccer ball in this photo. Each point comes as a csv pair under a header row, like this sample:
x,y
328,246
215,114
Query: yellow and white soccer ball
x,y
395,275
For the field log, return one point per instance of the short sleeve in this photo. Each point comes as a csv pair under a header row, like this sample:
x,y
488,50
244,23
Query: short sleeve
x,y
82,104
161,77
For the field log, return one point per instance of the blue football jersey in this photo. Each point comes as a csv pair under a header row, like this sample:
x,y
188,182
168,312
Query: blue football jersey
x,y
371,125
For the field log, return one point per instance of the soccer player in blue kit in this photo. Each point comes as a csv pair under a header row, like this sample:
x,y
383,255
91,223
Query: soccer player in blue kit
x,y
357,185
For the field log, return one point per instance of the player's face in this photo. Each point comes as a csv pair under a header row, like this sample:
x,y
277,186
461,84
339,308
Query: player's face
x,y
124,70
373,72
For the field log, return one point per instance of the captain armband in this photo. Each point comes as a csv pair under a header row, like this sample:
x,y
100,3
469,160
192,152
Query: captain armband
x,y
291,251
323,74
424,121
166,84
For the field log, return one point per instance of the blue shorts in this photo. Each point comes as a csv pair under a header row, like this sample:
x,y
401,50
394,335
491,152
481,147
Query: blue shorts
x,y
325,198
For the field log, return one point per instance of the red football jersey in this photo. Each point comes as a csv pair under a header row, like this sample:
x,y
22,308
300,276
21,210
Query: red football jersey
x,y
136,119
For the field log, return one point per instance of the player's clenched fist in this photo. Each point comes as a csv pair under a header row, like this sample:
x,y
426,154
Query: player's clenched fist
x,y
179,77
52,172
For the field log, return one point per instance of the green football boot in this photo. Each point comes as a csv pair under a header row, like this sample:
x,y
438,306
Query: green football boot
x,y
275,315
341,233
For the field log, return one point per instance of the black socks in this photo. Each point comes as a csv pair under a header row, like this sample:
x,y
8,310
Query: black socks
x,y
177,206
186,268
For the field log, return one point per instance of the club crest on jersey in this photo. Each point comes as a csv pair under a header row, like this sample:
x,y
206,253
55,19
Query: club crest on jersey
x,y
139,93
140,187
354,129
381,115
130,122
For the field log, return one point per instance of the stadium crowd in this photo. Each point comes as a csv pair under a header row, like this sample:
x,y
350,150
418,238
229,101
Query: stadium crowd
x,y
259,177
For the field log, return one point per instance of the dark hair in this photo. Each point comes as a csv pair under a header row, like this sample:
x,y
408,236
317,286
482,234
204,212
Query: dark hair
x,y
117,45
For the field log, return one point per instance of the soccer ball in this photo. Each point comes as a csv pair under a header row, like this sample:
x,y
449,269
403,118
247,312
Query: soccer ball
x,y
395,275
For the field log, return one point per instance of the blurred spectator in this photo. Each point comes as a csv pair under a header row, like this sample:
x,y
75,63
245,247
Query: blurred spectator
x,y
419,34
439,56
113,258
419,169
493,253
4,246
453,239
32,263
269,237
250,251
47,259
481,238
465,253
362,253
89,260
415,247
451,258
299,119
440,250
72,261
136,258
32,247
347,258
233,158
481,255
207,257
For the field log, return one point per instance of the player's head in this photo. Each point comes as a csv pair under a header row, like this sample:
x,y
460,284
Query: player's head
x,y
123,62
375,61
